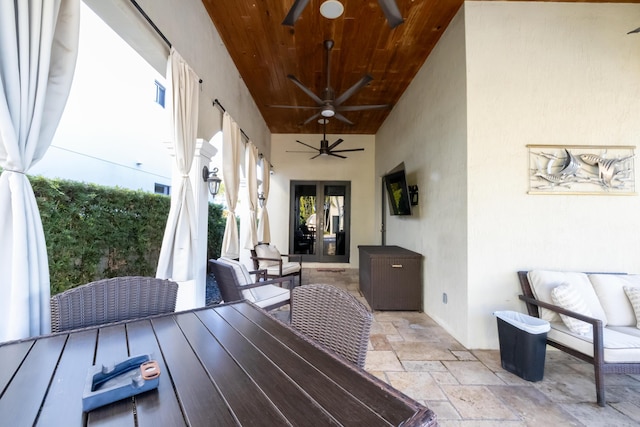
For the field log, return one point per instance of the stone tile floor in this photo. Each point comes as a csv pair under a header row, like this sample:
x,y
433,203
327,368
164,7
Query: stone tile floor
x,y
467,387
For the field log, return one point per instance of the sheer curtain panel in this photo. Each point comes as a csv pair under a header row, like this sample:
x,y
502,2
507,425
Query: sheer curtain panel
x,y
178,252
264,232
231,158
251,221
38,51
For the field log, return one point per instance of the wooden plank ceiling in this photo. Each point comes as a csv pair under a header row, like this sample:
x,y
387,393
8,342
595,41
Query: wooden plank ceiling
x,y
265,52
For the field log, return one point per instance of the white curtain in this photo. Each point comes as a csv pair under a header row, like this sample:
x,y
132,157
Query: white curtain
x,y
264,232
177,255
231,158
38,51
250,225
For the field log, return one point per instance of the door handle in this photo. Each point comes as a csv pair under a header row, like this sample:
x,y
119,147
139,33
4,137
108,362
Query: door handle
x,y
396,265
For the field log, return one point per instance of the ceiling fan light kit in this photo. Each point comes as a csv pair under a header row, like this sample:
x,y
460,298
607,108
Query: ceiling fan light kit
x,y
328,104
331,9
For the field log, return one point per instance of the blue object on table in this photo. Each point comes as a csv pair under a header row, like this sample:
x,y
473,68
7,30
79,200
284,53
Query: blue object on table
x,y
107,384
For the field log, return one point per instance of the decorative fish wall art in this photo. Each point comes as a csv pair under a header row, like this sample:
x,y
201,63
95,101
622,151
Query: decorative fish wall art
x,y
581,169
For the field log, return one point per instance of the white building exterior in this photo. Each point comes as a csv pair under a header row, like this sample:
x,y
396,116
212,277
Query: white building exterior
x,y
112,132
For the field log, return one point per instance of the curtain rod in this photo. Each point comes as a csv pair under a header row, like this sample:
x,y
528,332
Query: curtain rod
x,y
153,25
217,104
146,17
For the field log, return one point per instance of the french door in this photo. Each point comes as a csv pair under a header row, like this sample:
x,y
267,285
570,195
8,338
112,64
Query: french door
x,y
319,223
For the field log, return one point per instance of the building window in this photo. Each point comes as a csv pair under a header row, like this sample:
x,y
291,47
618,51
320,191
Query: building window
x,y
160,90
162,189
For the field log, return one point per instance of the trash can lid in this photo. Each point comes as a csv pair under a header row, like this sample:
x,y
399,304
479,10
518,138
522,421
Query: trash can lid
x,y
530,324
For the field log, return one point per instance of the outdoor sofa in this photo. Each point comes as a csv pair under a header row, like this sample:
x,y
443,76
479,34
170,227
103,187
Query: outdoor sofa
x,y
610,338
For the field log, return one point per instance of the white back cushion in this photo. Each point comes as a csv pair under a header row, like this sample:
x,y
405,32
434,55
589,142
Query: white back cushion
x,y
267,251
566,296
543,281
633,293
617,307
243,276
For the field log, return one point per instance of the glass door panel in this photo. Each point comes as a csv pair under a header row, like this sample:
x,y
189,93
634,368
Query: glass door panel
x,y
320,220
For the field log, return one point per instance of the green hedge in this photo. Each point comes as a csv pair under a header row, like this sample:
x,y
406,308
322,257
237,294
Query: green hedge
x,y
94,232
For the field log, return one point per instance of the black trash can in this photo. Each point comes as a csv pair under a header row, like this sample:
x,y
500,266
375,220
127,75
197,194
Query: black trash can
x,y
523,344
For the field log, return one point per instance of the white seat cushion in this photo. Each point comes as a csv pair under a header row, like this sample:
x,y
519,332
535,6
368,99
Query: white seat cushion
x,y
617,307
270,294
287,268
543,281
619,345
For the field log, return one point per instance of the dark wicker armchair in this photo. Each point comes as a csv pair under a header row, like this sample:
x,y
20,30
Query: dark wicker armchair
x,y
112,300
236,284
333,318
268,257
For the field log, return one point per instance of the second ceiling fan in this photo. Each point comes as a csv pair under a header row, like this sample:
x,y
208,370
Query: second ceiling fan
x,y
328,105
326,149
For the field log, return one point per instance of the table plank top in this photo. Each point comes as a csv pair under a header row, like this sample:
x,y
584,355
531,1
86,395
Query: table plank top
x,y
227,365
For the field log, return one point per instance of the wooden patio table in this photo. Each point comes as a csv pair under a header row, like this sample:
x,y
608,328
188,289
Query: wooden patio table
x,y
225,365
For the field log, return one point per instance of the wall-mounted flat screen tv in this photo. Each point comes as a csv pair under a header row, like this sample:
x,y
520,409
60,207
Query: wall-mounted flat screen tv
x,y
398,191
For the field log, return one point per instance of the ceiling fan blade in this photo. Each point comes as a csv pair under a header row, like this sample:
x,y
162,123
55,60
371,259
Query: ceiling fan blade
x,y
343,118
391,12
298,151
312,118
337,155
294,12
317,155
305,89
363,107
307,145
335,144
350,149
637,30
298,107
353,89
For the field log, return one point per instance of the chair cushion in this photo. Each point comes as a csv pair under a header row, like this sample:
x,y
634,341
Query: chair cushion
x,y
543,281
616,305
620,346
243,276
287,268
633,293
269,294
566,296
267,251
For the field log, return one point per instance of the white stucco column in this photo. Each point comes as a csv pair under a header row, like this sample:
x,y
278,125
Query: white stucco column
x,y
204,152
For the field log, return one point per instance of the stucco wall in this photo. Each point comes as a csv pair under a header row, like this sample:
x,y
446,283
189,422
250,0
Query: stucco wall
x,y
357,168
545,73
505,75
427,130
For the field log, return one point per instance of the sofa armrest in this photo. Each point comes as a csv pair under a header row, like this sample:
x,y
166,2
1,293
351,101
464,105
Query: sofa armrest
x,y
598,327
592,320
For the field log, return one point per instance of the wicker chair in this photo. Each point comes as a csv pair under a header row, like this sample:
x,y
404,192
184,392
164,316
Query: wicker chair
x,y
235,284
112,300
333,318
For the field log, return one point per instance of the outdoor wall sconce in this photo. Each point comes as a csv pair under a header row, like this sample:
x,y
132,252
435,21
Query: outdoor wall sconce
x,y
261,199
413,195
212,180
